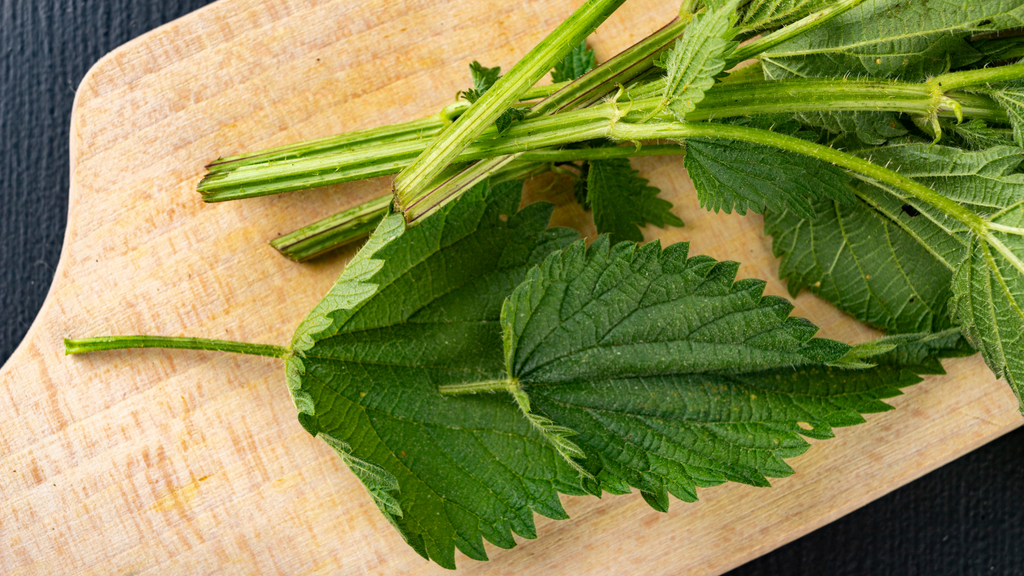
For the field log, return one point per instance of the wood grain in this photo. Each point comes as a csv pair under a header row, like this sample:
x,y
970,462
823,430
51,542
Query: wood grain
x,y
167,462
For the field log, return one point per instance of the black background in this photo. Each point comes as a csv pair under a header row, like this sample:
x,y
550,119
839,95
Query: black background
x,y
966,518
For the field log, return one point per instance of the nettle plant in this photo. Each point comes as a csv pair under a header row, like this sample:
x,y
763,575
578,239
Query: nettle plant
x,y
471,364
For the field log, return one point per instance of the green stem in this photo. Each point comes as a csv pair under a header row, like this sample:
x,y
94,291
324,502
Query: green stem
x,y
484,386
602,122
863,168
125,342
456,109
356,223
769,41
625,67
482,114
621,69
413,130
392,133
333,232
967,78
723,101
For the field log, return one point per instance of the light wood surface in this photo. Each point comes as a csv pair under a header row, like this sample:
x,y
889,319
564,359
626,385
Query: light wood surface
x,y
179,462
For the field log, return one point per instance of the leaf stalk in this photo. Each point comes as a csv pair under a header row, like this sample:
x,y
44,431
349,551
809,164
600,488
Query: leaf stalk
x,y
72,346
482,114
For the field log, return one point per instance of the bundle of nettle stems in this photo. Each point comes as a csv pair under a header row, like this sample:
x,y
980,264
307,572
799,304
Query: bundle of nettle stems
x,y
622,100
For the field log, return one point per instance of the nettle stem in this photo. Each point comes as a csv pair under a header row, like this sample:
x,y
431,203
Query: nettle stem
x,y
482,114
724,101
795,29
858,166
623,68
354,224
970,78
334,231
482,387
412,130
84,345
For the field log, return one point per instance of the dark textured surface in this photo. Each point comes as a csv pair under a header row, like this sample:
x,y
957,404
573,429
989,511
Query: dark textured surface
x,y
46,47
966,518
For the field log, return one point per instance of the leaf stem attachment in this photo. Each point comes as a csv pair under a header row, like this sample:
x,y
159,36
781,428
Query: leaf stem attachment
x,y
558,436
456,136
482,387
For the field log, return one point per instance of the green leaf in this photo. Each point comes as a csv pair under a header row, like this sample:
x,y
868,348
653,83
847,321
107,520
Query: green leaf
x,y
622,201
888,259
975,134
696,58
1012,100
730,175
483,79
575,64
874,128
761,15
504,122
893,39
673,376
415,309
632,366
988,300
862,262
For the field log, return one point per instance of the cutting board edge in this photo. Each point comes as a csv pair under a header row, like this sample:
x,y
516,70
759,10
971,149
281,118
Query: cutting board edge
x,y
871,497
74,193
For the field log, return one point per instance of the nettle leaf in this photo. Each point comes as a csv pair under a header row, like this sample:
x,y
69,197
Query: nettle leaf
x,y
627,367
858,259
483,79
730,175
988,300
873,128
975,134
893,39
696,58
673,376
415,309
888,259
1011,98
576,63
504,122
759,15
623,202
995,49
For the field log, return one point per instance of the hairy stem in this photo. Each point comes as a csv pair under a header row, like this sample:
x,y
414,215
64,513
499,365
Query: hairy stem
x,y
769,41
625,67
968,78
356,223
858,166
621,69
482,114
124,342
415,129
726,100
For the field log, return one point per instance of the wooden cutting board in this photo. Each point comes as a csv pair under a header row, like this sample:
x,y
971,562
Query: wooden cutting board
x,y
176,462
